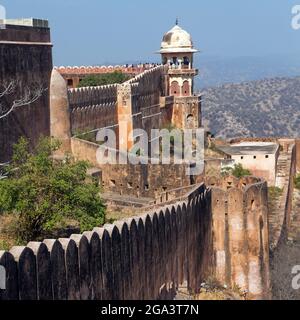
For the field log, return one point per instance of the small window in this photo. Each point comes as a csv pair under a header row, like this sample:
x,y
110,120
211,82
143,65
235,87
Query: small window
x,y
112,183
242,158
254,157
129,185
267,157
146,187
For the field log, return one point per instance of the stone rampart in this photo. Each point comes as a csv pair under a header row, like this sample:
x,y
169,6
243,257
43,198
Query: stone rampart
x,y
141,258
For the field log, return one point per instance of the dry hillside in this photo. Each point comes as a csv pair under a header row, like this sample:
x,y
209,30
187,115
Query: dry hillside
x,y
262,108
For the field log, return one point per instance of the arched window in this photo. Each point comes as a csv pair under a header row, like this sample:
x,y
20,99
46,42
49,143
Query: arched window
x,y
186,62
190,121
175,89
186,89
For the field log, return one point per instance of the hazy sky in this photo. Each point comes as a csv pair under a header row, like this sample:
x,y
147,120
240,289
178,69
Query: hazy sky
x,y
96,31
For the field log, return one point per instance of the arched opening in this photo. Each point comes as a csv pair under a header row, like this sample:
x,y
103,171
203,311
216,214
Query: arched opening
x,y
190,121
175,89
186,62
186,89
174,63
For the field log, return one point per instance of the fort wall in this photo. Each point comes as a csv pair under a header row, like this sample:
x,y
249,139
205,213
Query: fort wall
x,y
241,234
92,108
26,58
141,180
142,258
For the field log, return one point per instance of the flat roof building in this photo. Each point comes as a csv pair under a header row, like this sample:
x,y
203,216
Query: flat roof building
x,y
258,157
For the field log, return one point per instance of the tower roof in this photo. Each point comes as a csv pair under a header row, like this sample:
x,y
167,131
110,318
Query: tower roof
x,y
177,40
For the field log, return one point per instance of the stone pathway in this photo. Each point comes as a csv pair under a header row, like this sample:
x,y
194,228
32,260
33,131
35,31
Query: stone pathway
x,y
294,232
286,257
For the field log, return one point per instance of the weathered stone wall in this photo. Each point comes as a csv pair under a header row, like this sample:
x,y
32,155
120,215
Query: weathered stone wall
x,y
73,75
285,181
25,57
241,234
141,258
298,155
147,180
93,108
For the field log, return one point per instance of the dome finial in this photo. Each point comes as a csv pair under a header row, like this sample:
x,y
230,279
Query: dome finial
x,y
177,21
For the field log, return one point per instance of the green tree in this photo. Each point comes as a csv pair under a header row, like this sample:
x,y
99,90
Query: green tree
x,y
103,79
237,171
297,182
43,192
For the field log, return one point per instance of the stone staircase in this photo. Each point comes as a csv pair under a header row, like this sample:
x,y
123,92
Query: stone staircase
x,y
282,169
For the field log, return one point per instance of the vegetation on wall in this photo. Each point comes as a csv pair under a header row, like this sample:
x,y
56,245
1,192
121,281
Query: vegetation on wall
x,y
42,192
103,79
297,182
237,171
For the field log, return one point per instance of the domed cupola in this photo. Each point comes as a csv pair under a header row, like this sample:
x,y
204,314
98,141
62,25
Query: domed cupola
x,y
177,51
177,40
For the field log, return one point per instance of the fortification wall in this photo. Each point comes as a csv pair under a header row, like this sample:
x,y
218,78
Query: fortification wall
x,y
25,57
73,75
147,88
284,180
298,155
93,107
241,234
141,258
139,180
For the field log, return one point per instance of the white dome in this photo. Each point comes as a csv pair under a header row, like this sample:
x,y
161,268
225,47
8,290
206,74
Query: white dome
x,y
177,40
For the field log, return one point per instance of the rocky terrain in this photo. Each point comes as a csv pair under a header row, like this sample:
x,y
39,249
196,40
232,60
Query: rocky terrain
x,y
263,108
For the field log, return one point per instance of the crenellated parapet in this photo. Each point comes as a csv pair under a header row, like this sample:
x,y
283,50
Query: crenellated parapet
x,y
142,258
92,96
241,233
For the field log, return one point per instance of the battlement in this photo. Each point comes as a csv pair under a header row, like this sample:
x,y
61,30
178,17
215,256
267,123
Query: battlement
x,y
26,22
26,32
132,70
141,258
92,96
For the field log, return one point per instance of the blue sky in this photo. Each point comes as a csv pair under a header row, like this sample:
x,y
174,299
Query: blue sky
x,y
96,31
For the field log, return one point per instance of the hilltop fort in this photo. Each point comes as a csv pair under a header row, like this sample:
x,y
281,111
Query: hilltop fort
x,y
184,227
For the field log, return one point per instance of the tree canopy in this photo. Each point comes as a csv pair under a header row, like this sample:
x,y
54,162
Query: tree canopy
x,y
237,171
103,79
43,192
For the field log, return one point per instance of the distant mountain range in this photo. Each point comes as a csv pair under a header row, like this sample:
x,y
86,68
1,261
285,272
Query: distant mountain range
x,y
216,71
250,96
262,108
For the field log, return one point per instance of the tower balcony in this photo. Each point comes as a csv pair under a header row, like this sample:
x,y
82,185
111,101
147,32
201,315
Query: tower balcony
x,y
183,72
